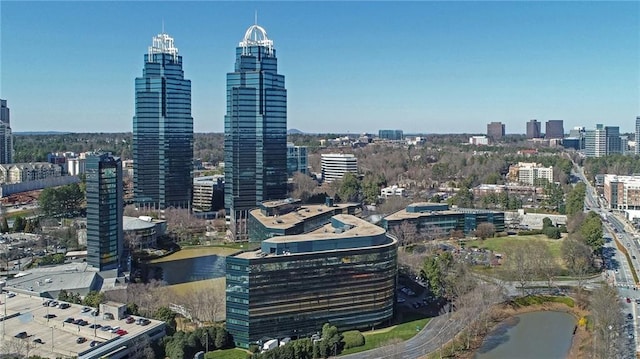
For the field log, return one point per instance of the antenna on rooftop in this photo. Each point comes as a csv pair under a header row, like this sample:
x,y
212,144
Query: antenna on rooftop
x,y
163,25
255,22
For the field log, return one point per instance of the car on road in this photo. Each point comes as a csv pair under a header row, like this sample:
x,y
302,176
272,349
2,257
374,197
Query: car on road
x,y
629,316
628,300
399,300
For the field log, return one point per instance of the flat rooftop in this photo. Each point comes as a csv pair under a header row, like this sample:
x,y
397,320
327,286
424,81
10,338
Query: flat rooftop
x,y
288,220
27,314
357,228
403,214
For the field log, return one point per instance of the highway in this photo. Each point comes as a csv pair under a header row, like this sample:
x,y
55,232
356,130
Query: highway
x,y
617,268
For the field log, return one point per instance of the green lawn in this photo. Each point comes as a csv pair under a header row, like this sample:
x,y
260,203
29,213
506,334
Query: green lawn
x,y
227,354
381,337
499,243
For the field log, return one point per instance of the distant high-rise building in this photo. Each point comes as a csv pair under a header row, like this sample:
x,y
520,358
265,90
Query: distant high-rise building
x,y
391,135
637,135
554,129
162,130
105,238
255,130
602,141
6,138
297,159
533,129
495,130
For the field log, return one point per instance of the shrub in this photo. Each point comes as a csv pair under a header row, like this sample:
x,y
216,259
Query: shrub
x,y
352,339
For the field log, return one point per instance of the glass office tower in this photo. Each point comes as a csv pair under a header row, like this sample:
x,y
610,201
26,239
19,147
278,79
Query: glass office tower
x,y
6,138
162,130
105,237
255,130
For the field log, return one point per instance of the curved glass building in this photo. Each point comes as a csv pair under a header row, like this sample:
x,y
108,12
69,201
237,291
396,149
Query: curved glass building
x,y
343,273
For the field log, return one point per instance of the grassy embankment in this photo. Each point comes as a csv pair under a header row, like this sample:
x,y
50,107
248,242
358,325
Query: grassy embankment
x,y
227,354
377,338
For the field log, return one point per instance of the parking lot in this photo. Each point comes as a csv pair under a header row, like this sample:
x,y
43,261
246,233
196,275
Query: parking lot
x,y
47,332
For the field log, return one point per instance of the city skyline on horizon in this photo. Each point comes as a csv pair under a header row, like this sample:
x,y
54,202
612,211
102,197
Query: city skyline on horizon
x,y
522,61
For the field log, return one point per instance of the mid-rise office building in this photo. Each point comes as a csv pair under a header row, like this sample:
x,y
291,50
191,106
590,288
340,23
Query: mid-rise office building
x,y
495,131
105,236
391,135
478,140
208,194
6,137
255,130
604,140
343,273
162,130
297,159
335,165
554,129
429,216
529,173
533,129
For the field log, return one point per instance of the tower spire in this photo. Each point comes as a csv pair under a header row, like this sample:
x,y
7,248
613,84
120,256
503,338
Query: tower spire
x,y
255,22
163,25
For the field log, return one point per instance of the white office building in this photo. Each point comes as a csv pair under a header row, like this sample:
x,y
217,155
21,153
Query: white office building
x,y
335,165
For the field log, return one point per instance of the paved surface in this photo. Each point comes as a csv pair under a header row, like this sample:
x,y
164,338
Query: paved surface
x,y
436,333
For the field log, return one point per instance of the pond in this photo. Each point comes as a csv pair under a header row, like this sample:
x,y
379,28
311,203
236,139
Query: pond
x,y
190,269
532,335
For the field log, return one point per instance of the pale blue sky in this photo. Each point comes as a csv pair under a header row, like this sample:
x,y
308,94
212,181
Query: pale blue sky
x,y
430,67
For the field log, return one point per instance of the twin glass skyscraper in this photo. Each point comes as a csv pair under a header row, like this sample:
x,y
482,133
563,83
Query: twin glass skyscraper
x,y
162,130
255,130
6,138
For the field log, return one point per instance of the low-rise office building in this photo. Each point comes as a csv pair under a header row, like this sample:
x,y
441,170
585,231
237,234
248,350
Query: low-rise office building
x,y
335,165
343,273
427,216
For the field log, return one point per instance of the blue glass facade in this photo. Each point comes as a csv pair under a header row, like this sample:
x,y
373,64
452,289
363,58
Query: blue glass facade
x,y
426,216
295,284
297,159
162,130
255,128
105,236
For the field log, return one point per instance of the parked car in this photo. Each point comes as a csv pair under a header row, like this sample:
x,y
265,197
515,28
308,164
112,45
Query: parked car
x,y
69,320
49,316
38,341
105,328
95,326
129,320
94,343
85,309
21,335
64,305
81,340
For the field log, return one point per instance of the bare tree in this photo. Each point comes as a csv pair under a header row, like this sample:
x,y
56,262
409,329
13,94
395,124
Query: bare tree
x,y
485,230
405,233
303,186
518,265
578,258
543,261
140,348
606,310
